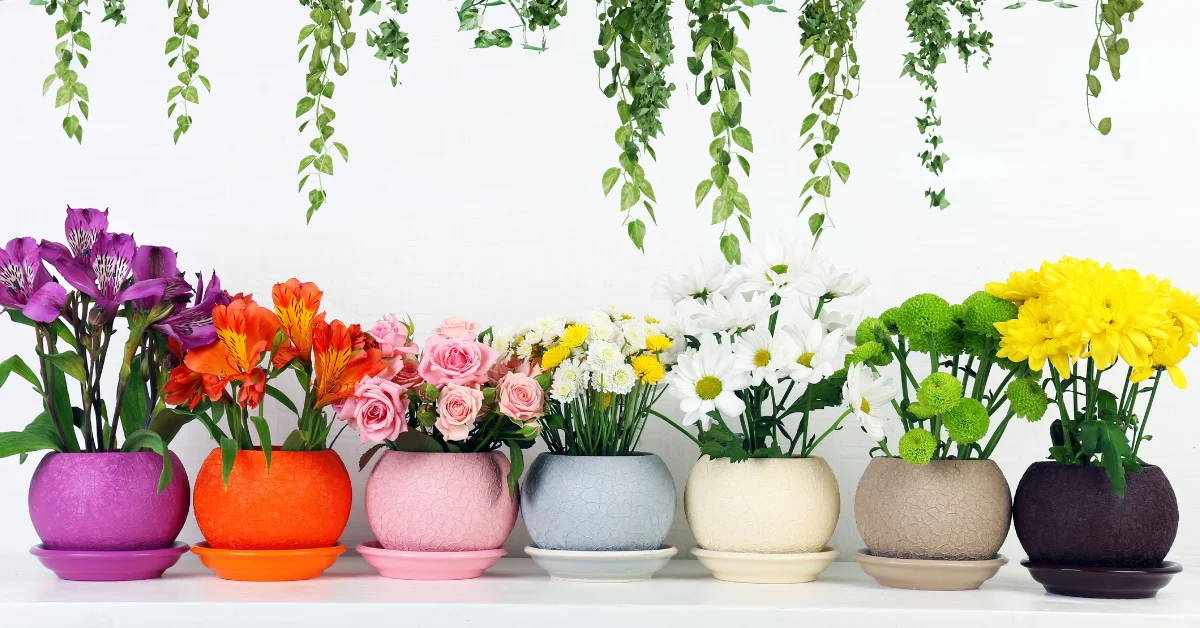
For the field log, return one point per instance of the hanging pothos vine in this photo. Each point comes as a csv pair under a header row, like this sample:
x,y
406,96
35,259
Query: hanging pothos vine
x,y
827,32
181,47
72,41
636,50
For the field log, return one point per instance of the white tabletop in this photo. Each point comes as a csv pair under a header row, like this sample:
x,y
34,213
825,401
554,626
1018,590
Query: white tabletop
x,y
517,593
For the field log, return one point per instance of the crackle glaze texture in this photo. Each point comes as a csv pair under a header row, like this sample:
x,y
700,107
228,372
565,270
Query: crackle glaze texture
x,y
1069,515
762,505
107,501
303,503
947,509
598,503
440,502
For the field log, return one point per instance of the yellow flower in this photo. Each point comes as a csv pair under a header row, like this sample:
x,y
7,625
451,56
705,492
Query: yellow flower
x,y
1030,336
574,335
651,320
1020,286
1114,312
648,369
1184,311
658,343
554,356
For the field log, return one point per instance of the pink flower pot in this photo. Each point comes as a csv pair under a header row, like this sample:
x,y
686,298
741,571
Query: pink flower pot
x,y
440,502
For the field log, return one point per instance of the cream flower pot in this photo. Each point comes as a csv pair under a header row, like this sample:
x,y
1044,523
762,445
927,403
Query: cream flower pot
x,y
762,505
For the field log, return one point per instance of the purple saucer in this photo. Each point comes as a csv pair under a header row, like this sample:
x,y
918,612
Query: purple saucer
x,y
109,566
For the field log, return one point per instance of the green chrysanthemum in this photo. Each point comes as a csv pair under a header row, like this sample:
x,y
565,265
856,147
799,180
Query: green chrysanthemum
x,y
924,314
891,320
920,411
866,330
983,311
967,422
1027,398
917,446
940,392
949,341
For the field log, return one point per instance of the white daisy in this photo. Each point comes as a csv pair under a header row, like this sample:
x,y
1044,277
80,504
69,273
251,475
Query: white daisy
x,y
812,353
729,314
604,356
619,380
867,394
574,372
757,352
678,343
562,390
832,319
502,342
601,330
634,334
525,349
782,267
548,329
707,276
840,283
705,380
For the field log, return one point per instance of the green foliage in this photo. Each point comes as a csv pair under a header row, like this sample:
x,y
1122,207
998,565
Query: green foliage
x,y
183,55
390,43
1108,47
929,27
146,439
536,17
917,446
635,50
72,42
828,29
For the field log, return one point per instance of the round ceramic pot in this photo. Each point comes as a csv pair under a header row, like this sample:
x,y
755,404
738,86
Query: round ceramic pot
x,y
107,501
598,503
303,503
440,502
762,505
944,510
1070,515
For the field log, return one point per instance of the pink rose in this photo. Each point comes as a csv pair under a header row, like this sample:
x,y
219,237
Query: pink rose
x,y
377,410
456,361
458,407
392,335
458,328
409,375
520,397
514,364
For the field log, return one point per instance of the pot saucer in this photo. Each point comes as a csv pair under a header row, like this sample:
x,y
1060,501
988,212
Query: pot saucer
x,y
405,565
109,566
268,565
765,568
1125,583
929,575
627,566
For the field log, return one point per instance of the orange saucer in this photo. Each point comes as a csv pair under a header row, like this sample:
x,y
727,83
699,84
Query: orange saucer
x,y
268,565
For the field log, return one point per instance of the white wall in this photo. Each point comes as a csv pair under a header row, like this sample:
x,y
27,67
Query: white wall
x,y
474,188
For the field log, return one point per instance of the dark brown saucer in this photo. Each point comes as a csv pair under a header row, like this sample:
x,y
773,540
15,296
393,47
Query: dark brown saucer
x,y
1125,583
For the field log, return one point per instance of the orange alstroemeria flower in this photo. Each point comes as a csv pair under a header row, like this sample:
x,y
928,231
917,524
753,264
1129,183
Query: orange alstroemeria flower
x,y
296,306
341,359
244,332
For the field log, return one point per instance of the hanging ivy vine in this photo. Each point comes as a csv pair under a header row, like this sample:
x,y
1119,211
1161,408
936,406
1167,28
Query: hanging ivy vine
x,y
326,41
536,17
827,34
181,47
72,40
635,50
390,43
929,28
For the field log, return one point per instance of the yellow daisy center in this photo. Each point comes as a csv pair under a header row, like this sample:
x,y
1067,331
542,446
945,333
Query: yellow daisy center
x,y
708,387
864,406
805,359
762,357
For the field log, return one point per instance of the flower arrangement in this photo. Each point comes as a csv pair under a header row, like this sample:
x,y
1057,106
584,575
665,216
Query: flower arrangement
x,y
112,278
253,345
743,365
1084,318
604,371
456,396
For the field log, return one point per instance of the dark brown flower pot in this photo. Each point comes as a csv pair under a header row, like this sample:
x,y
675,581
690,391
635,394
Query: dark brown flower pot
x,y
1070,516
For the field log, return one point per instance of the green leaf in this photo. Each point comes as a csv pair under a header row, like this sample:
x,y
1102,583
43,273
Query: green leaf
x,y
729,101
293,442
146,439
610,179
739,55
305,31
637,233
1093,85
416,440
722,209
364,459
324,164
62,97
83,40
304,163
842,170
516,466
134,404
172,44
629,195
342,150
1105,126
742,203
48,83
744,163
304,105
68,362
264,438
229,449
14,443
1114,447
16,364
1094,59
742,137
717,122
809,121
702,191
647,189
207,85
815,221
822,186
731,248
167,423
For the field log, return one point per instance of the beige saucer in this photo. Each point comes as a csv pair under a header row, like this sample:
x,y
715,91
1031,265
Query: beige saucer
x,y
765,568
929,575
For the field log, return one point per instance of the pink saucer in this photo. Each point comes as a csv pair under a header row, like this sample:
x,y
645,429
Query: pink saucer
x,y
428,565
109,566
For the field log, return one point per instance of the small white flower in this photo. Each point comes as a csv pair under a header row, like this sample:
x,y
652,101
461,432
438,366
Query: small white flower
x,y
867,394
678,343
705,380
813,353
832,319
502,343
707,276
619,380
572,371
549,329
840,283
601,331
721,314
562,390
603,355
782,267
525,349
634,334
761,355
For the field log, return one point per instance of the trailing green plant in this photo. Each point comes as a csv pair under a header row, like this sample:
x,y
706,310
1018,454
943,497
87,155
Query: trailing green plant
x,y
929,28
390,43
327,41
536,17
635,46
184,52
72,39
828,29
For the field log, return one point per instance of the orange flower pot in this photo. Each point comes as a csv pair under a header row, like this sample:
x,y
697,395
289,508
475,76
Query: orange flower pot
x,y
303,503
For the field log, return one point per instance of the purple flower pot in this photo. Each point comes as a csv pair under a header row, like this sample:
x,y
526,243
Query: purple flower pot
x,y
107,501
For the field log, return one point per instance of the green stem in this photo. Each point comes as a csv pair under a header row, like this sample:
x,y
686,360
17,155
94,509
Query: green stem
x,y
676,426
47,377
1146,416
817,441
995,439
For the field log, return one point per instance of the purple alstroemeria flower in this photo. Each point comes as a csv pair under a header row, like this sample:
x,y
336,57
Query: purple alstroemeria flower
x,y
193,327
107,276
159,262
83,227
26,285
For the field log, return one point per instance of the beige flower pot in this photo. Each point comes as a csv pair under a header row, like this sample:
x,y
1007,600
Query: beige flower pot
x,y
762,505
944,510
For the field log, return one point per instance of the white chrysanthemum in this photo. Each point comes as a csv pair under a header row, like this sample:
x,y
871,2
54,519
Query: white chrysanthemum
x,y
573,371
549,329
502,342
868,395
782,267
722,314
833,319
757,352
619,380
525,349
705,380
604,355
837,283
596,317
705,277
813,353
634,334
562,390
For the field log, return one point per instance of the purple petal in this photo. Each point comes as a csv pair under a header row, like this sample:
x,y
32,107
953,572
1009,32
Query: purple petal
x,y
112,263
154,262
46,304
75,271
84,226
149,289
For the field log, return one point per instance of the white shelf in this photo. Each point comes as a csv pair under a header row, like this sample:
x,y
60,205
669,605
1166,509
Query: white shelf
x,y
517,593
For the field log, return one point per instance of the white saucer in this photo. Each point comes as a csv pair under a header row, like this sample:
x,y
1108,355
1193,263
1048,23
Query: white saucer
x,y
765,568
630,566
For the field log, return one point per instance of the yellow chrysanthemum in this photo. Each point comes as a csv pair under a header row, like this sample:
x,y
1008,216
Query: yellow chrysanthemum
x,y
1030,336
1020,286
574,335
1167,355
1184,310
554,356
648,369
1114,312
658,343
651,320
